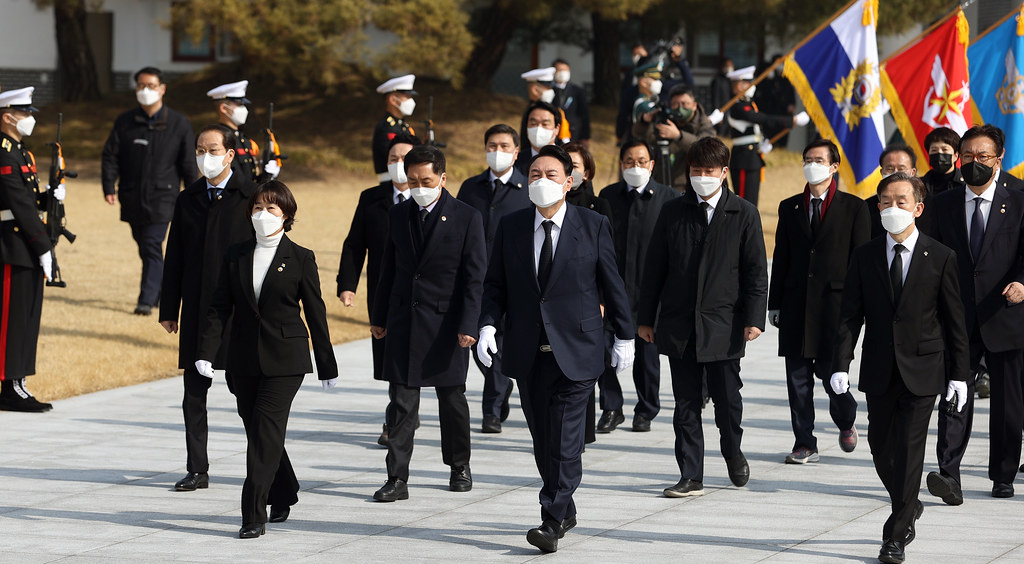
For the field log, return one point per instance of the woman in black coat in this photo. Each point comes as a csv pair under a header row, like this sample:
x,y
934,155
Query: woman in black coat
x,y
262,284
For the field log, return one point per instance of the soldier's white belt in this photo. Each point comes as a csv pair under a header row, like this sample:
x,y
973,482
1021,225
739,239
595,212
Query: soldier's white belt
x,y
6,215
383,177
748,140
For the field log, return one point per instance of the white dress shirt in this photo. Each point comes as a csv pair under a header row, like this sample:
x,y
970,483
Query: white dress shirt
x,y
712,202
395,194
986,204
907,253
504,178
222,185
538,233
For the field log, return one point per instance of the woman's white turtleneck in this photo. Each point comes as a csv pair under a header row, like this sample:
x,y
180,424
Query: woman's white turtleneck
x,y
266,248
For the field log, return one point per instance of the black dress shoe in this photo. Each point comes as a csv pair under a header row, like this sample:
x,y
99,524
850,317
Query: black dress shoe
x,y
641,424
491,424
892,552
461,480
382,440
685,488
393,490
252,530
610,419
946,488
739,470
14,402
279,514
912,530
567,525
193,481
545,537
506,408
1002,489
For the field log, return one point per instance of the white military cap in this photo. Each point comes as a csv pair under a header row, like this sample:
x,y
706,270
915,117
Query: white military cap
x,y
539,75
398,84
20,99
233,91
745,73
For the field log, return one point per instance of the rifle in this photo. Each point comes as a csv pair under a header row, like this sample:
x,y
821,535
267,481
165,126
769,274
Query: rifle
x,y
55,218
272,151
429,122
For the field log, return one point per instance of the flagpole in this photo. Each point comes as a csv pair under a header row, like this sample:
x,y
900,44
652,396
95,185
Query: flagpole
x,y
1001,21
913,41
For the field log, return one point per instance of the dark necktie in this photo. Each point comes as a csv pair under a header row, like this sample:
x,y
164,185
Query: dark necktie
x,y
546,253
896,272
423,215
815,216
977,229
401,197
214,192
497,184
704,206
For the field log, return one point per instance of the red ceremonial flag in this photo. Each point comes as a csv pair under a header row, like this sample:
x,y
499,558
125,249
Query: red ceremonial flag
x,y
927,85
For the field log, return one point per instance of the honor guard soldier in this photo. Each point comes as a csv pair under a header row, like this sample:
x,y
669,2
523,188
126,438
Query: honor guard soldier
x,y
232,111
399,104
540,87
25,254
748,143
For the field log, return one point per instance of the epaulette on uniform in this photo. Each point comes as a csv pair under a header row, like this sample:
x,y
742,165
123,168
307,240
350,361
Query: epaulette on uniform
x,y
391,120
6,144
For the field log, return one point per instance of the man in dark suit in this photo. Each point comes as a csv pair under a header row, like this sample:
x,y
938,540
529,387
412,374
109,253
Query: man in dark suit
x,y
496,192
366,240
543,121
549,270
903,287
572,98
984,223
210,216
636,202
705,285
817,232
428,306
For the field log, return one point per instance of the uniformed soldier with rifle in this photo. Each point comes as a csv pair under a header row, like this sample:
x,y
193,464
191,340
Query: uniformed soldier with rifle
x,y
232,112
399,105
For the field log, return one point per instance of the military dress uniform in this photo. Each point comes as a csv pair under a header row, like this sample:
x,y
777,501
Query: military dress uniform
x,y
746,164
389,126
247,152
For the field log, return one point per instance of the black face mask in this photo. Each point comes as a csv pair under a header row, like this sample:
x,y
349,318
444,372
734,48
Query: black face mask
x,y
940,162
976,174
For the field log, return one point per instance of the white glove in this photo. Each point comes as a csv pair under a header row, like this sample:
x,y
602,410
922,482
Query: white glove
x,y
486,345
622,354
205,368
765,147
46,261
328,384
716,117
840,382
272,168
773,317
959,389
801,119
59,192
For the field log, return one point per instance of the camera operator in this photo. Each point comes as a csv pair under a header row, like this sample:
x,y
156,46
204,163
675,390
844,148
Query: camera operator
x,y
677,68
670,128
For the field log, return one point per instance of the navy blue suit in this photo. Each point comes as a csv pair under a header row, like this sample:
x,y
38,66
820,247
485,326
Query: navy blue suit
x,y
493,204
566,313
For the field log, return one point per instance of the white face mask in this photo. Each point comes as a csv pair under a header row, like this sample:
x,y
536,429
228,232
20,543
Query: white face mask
x,y
656,87
705,185
211,165
424,196
407,107
239,115
397,172
749,92
816,173
548,95
147,97
562,77
540,137
577,179
499,161
896,220
545,192
636,176
26,125
266,223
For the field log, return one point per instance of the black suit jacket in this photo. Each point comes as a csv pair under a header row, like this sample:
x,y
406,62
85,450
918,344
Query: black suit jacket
x,y
479,193
201,233
1009,181
914,334
982,279
366,240
710,284
268,336
808,273
430,293
573,101
569,307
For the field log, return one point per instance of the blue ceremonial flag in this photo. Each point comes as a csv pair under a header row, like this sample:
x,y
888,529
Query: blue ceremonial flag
x,y
997,84
835,73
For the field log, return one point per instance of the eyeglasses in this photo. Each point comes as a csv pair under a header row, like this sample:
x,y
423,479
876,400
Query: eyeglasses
x,y
983,158
892,169
630,163
819,160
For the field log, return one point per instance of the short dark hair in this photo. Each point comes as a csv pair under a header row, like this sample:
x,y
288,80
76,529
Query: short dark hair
x,y
679,90
404,138
987,130
556,152
499,129
547,107
942,135
589,165
560,61
898,149
634,142
915,182
708,152
421,154
277,193
159,74
226,134
833,151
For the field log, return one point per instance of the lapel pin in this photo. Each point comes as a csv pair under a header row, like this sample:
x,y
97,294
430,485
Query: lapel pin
x,y
796,207
444,218
281,268
926,253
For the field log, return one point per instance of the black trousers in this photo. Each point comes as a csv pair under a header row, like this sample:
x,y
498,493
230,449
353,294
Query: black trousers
x,y
150,238
264,403
497,386
801,377
1006,420
897,432
453,412
21,306
193,410
611,390
723,382
746,183
555,409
